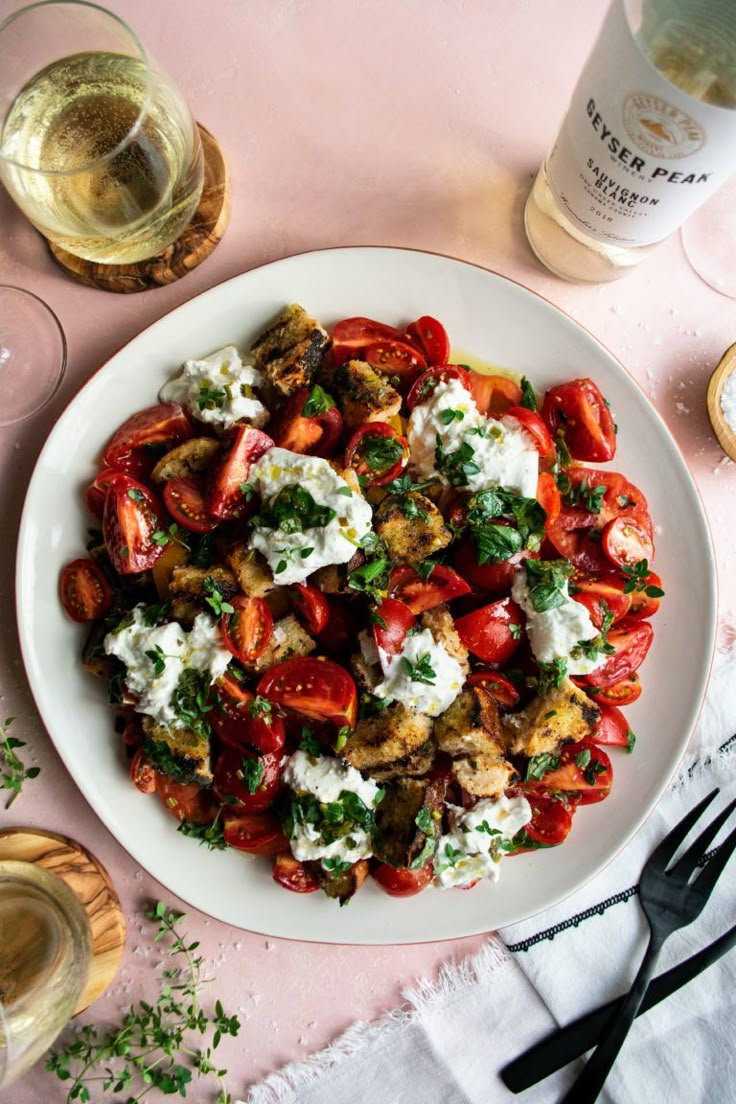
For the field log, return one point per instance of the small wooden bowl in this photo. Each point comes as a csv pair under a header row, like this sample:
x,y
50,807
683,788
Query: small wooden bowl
x,y
726,436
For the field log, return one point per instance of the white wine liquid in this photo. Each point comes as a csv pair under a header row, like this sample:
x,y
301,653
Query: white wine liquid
x,y
64,128
686,43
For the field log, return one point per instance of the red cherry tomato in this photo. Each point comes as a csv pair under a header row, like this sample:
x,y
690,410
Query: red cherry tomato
x,y
186,801
252,779
580,411
491,632
132,516
338,636
594,592
548,497
501,689
377,452
396,358
495,578
631,639
227,500
186,501
127,448
142,773
626,543
585,770
621,693
246,633
494,395
255,833
290,874
395,621
419,593
237,723
430,337
311,434
423,387
352,335
551,819
316,689
85,592
530,421
401,882
612,728
311,606
95,493
643,604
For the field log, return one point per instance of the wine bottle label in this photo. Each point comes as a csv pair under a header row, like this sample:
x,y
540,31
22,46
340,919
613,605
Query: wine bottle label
x,y
636,155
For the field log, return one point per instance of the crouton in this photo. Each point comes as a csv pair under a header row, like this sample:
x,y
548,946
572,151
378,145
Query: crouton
x,y
287,639
340,886
484,775
290,350
331,579
440,623
390,736
184,609
470,726
414,765
254,576
179,753
561,716
366,675
364,395
399,840
412,526
199,582
192,457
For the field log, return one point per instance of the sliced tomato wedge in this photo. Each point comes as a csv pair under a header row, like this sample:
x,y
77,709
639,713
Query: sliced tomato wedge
x,y
393,621
424,386
585,771
255,833
530,421
186,801
422,593
252,779
311,606
165,423
311,434
621,693
377,453
84,591
186,500
631,639
580,411
292,875
612,728
396,358
239,723
246,632
317,689
95,493
402,882
494,578
548,497
227,499
494,395
430,337
643,604
626,543
595,592
142,773
551,819
338,636
351,335
131,518
501,689
492,633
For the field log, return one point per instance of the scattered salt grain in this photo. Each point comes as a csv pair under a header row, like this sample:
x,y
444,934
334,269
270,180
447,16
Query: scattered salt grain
x,y
270,946
681,408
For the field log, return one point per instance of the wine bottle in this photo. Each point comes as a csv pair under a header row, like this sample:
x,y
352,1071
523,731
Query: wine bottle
x,y
649,135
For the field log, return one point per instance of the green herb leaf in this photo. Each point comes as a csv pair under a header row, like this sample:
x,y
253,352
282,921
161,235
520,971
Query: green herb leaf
x,y
421,671
630,741
547,583
528,398
457,466
214,597
495,543
538,766
550,676
309,744
294,510
380,453
158,659
583,758
13,772
136,495
343,735
252,771
317,403
210,397
448,416
371,578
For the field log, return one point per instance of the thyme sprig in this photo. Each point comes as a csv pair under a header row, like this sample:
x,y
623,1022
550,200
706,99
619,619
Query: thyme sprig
x,y
13,771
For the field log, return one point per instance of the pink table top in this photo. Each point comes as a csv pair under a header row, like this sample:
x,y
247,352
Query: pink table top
x,y
420,124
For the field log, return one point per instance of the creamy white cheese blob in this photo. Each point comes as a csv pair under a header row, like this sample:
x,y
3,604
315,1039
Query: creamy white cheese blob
x,y
326,779
219,389
554,633
471,849
420,651
170,649
504,452
294,556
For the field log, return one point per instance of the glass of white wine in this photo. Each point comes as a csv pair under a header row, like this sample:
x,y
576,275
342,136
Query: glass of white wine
x,y
97,146
45,951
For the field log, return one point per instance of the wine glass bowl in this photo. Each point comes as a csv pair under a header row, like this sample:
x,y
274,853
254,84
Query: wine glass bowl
x,y
32,354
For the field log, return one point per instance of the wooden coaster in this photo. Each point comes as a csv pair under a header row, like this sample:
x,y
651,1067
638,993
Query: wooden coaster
x,y
198,240
89,880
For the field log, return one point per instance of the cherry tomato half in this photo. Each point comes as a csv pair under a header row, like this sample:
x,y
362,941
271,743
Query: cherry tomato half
x,y
291,874
316,689
132,516
424,386
255,833
311,605
430,337
312,434
395,621
643,604
142,773
246,632
352,335
126,450
626,543
252,779
186,801
492,633
501,689
95,493
551,819
377,452
227,500
621,693
585,770
580,411
594,592
530,421
85,592
548,497
494,395
631,639
186,501
494,578
401,882
396,358
420,593
237,723
612,727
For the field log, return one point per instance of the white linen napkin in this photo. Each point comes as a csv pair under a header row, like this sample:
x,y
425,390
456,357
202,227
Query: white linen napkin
x,y
447,1045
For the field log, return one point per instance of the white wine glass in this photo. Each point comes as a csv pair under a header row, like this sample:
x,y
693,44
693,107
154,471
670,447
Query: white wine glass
x,y
97,146
709,240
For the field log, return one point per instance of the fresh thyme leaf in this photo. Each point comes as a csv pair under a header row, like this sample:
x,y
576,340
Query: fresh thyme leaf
x,y
210,397
582,758
13,772
410,509
421,671
252,771
448,416
538,766
450,856
158,659
484,826
294,510
165,536
317,403
380,453
346,491
637,580
528,398
550,676
214,597
336,865
515,630
136,495
458,466
630,741
247,490
154,615
211,836
547,583
343,735
583,494
425,569
260,707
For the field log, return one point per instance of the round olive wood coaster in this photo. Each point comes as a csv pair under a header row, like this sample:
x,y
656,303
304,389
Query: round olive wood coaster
x,y
89,880
200,238
726,436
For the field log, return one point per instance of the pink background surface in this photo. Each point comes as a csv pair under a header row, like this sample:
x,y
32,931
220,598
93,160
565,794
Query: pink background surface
x,y
416,123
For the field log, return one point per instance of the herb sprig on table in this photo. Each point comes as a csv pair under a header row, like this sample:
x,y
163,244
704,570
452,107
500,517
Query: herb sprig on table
x,y
153,1047
13,771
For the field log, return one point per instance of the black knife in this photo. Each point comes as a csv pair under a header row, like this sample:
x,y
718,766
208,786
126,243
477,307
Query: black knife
x,y
567,1043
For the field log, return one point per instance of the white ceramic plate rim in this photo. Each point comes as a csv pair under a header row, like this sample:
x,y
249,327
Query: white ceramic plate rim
x,y
497,320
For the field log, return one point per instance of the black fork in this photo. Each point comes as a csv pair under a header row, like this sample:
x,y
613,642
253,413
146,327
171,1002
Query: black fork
x,y
670,901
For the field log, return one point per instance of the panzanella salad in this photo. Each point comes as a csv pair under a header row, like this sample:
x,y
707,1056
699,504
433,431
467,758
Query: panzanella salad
x,y
365,611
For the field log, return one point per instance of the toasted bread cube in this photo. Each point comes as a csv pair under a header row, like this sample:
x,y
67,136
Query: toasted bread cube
x,y
414,765
561,716
412,526
440,623
484,775
184,609
366,675
196,582
288,639
179,753
331,579
364,395
470,726
192,457
254,576
391,735
340,886
398,839
290,350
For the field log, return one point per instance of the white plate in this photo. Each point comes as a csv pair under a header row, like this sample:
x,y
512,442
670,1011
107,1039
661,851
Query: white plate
x,y
498,321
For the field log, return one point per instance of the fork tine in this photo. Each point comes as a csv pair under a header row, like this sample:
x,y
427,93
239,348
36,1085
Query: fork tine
x,y
715,867
686,864
660,857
